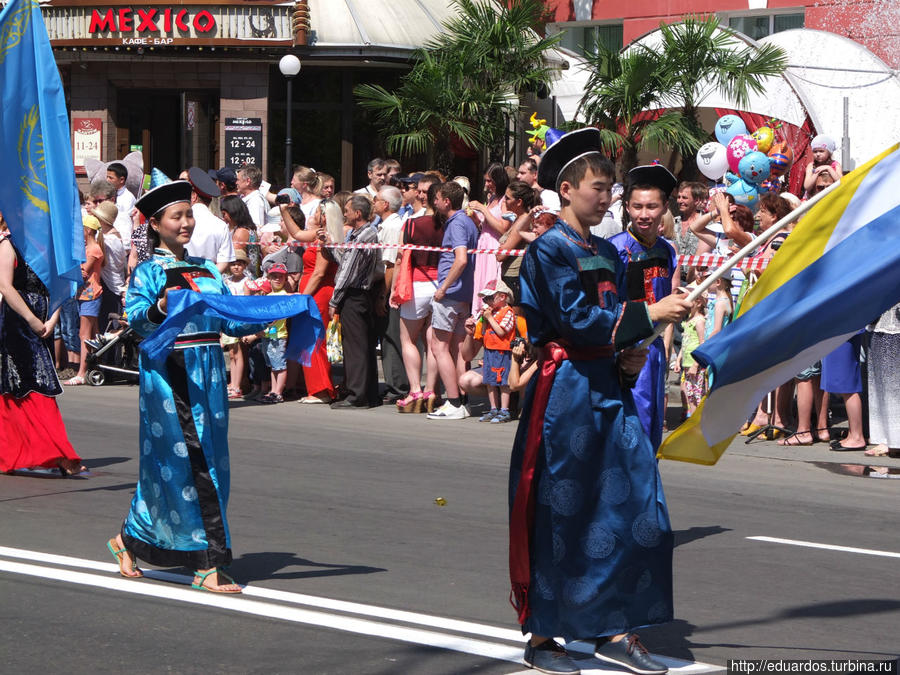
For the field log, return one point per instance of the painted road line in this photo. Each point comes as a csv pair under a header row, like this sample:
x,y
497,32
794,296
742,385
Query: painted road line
x,y
372,611
500,652
828,547
678,666
322,619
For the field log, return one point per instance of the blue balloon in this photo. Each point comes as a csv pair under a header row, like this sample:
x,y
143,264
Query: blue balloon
x,y
754,167
552,136
729,126
744,193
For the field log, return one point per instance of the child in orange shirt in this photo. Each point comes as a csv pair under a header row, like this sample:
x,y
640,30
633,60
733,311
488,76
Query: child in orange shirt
x,y
497,327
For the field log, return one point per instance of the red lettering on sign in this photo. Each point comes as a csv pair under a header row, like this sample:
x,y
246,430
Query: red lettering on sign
x,y
167,20
179,20
125,22
147,18
104,22
204,22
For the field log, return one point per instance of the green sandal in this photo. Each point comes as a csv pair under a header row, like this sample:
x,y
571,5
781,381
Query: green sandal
x,y
203,587
118,555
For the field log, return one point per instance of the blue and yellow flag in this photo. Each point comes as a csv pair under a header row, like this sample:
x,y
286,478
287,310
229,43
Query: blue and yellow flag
x,y
838,271
38,193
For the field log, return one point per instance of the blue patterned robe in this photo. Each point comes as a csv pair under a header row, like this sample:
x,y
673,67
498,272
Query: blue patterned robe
x,y
648,278
177,516
601,546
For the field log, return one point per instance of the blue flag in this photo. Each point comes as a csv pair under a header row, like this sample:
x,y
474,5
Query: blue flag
x,y
38,193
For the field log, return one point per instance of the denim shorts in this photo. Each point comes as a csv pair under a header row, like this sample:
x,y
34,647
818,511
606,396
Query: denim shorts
x,y
89,307
275,353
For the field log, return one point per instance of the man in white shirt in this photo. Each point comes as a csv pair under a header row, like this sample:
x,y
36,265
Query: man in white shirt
x,y
211,238
104,191
249,178
387,319
527,173
117,174
377,175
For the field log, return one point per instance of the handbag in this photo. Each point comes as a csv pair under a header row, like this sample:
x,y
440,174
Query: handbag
x,y
403,282
333,345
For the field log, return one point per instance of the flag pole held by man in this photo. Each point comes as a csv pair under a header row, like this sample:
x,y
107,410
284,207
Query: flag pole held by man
x,y
39,197
838,271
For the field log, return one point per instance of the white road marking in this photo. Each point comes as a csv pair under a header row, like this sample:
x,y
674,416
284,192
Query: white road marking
x,y
829,547
243,604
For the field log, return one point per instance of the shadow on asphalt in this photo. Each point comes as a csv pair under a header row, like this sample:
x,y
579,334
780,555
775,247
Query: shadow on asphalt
x,y
268,565
694,533
98,462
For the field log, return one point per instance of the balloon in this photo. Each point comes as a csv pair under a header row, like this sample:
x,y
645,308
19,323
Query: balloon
x,y
729,126
744,193
737,148
731,177
780,158
754,167
764,137
769,186
711,160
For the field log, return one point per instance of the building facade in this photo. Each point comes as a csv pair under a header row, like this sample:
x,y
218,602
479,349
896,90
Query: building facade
x,y
873,23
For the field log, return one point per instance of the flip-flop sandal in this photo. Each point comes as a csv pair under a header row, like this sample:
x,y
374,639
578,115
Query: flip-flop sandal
x,y
203,587
119,555
877,451
790,440
74,381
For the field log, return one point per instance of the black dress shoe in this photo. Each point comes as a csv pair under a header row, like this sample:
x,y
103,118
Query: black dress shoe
x,y
346,404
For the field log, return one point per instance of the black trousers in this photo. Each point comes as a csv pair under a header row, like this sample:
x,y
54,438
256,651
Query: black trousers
x,y
359,338
388,328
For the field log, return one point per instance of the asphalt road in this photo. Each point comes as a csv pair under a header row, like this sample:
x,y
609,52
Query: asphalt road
x,y
332,506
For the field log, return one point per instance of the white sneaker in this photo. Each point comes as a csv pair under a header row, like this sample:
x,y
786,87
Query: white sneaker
x,y
448,411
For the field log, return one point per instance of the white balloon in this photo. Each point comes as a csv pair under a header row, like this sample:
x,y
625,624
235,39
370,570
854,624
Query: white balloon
x,y
712,160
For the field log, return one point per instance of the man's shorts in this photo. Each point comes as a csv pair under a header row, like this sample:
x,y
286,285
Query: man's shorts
x,y
449,315
495,367
275,353
89,307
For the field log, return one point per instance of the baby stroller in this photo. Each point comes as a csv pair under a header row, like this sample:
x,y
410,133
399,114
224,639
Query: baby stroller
x,y
113,356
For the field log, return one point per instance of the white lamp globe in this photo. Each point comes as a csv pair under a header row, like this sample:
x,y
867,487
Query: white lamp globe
x,y
289,65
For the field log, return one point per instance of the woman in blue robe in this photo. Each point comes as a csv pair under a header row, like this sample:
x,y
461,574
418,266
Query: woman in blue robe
x,y
650,268
178,513
590,539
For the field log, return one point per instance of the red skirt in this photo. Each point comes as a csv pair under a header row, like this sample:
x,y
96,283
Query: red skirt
x,y
317,374
32,433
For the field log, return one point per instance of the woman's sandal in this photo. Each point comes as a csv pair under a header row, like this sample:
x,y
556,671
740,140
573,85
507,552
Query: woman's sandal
x,y
74,381
819,438
411,404
119,555
791,440
216,589
880,450
432,401
751,428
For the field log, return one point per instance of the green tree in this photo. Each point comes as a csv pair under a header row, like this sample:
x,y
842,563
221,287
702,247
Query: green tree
x,y
466,81
622,88
693,59
702,58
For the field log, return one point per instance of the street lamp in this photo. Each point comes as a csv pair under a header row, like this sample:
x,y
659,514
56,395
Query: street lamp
x,y
289,65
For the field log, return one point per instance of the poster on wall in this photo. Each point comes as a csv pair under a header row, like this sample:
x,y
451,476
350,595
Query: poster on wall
x,y
243,141
87,140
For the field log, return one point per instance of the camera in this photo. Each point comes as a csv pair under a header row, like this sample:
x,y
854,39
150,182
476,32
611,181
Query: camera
x,y
283,199
515,342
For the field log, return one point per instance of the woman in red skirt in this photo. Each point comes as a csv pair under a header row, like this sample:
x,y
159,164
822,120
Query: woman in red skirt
x,y
32,433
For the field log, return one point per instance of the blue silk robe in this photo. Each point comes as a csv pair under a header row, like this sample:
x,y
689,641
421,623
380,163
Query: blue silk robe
x,y
601,547
177,515
648,278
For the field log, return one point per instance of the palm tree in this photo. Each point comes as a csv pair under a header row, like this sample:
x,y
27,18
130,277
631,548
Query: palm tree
x,y
466,82
694,58
701,58
621,98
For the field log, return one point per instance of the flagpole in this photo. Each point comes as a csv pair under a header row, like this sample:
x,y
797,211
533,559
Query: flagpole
x,y
744,252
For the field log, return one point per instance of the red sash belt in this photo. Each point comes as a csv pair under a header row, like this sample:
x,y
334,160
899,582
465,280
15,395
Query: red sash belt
x,y
521,520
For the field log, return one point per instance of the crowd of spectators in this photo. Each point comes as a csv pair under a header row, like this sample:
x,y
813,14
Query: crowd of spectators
x,y
445,322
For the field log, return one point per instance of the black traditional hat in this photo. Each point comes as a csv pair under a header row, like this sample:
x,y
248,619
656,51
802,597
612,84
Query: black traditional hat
x,y
570,147
157,199
202,183
654,175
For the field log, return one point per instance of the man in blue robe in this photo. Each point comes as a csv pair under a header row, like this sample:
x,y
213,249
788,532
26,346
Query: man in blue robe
x,y
590,540
650,274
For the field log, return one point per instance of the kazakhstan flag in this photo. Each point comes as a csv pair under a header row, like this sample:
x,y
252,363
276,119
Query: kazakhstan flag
x,y
38,193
